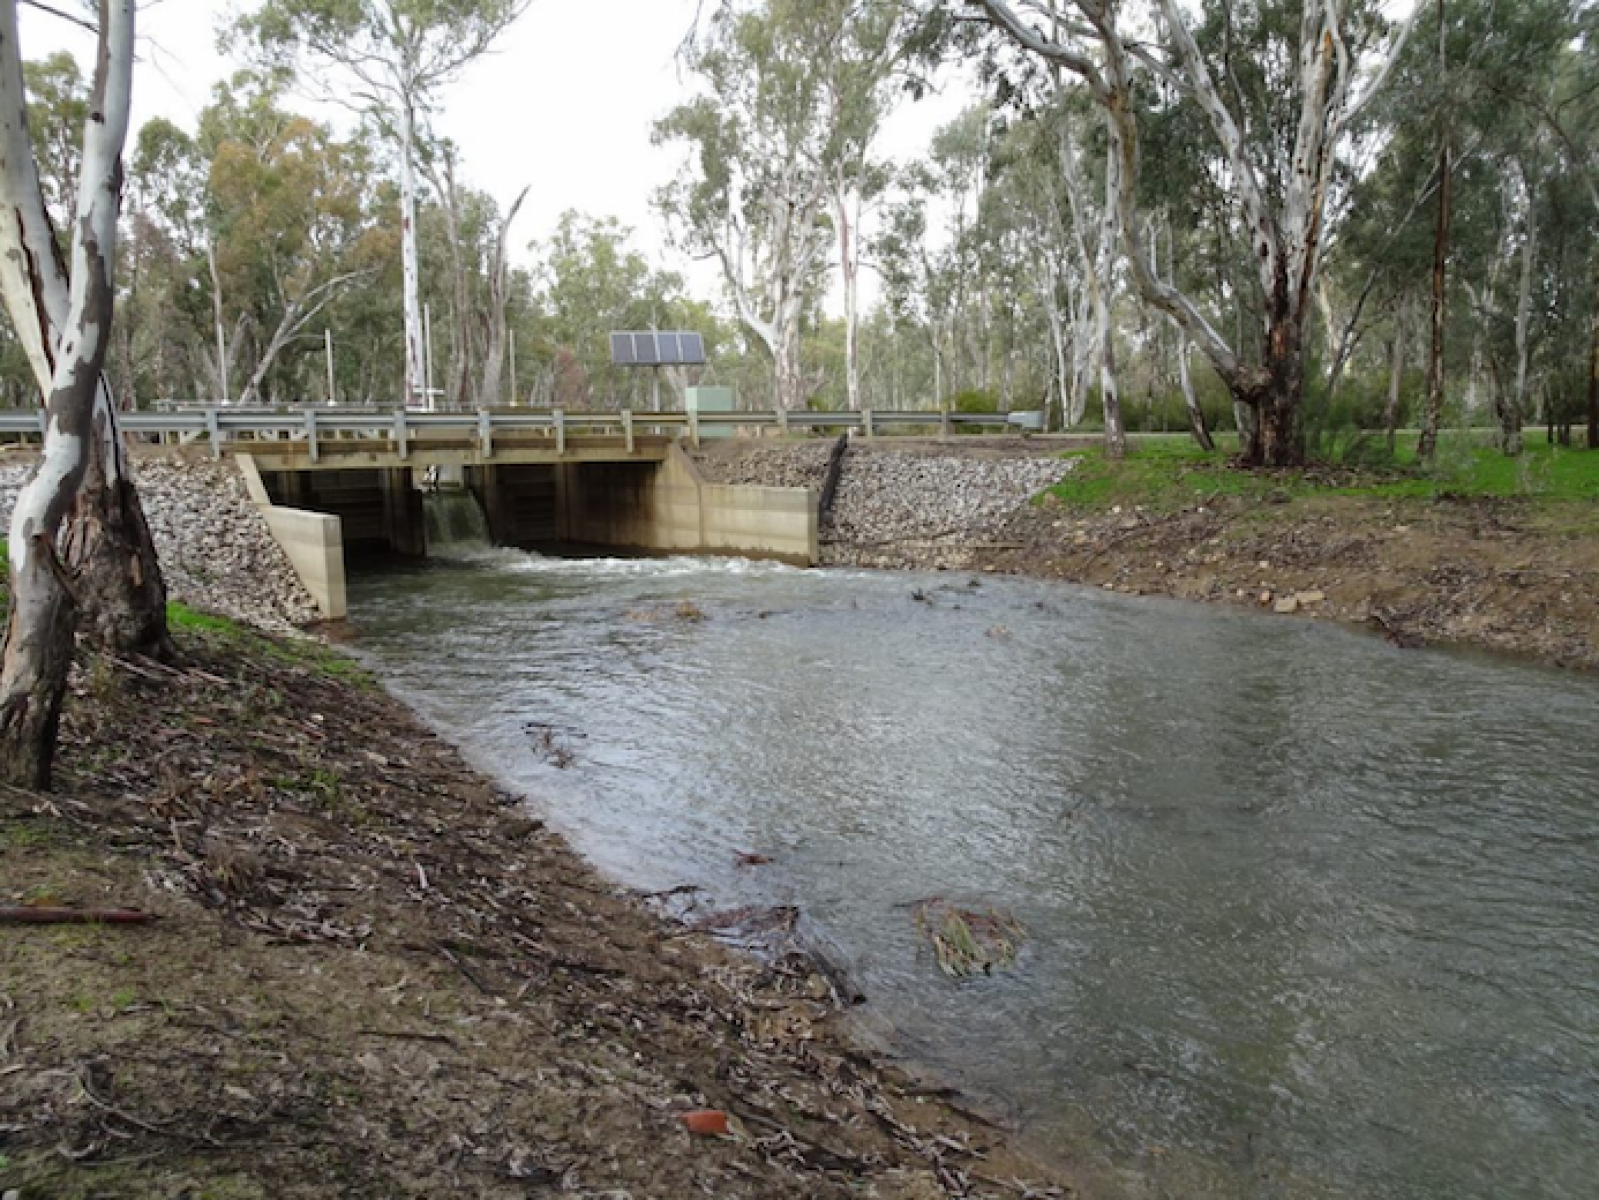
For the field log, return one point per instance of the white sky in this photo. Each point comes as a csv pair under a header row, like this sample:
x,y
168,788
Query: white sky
x,y
565,103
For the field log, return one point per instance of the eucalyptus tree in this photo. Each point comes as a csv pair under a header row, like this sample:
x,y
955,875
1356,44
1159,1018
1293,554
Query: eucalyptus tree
x,y
63,316
763,141
1279,142
865,49
286,205
389,60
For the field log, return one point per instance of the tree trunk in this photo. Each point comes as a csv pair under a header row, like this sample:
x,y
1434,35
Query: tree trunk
x,y
38,647
107,542
849,274
121,594
1396,377
1432,415
415,372
1196,415
1274,394
1593,360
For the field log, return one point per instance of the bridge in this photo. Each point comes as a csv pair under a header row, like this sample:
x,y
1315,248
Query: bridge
x,y
339,481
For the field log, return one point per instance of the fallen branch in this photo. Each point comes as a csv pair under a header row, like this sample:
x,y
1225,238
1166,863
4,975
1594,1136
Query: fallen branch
x,y
39,915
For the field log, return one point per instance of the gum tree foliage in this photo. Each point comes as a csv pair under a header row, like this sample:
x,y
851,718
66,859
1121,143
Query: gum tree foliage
x,y
1278,86
591,280
780,164
389,60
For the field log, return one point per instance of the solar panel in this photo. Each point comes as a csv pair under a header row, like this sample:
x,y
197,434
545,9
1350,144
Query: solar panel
x,y
671,349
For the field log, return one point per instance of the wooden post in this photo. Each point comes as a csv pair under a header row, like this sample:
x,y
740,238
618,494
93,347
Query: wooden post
x,y
627,428
213,428
402,441
485,433
560,430
866,422
694,427
310,433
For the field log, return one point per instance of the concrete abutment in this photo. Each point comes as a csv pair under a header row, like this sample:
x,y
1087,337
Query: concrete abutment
x,y
664,505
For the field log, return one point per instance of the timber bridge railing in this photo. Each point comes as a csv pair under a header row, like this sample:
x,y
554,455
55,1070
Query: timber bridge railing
x,y
221,425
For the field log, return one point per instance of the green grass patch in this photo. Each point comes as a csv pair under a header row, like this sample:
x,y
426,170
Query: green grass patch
x,y
311,655
1170,474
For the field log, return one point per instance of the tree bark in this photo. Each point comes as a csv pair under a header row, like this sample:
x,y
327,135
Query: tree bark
x,y
38,646
498,327
1396,378
415,372
107,543
1196,414
1593,359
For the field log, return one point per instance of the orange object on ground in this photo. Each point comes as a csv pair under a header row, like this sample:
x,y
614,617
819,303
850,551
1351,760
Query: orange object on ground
x,y
707,1122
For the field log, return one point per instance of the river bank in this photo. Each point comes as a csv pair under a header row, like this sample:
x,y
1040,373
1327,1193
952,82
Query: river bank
x,y
1514,574
373,974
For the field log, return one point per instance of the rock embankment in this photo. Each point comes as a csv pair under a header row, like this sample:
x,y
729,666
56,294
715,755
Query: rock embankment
x,y
216,551
902,504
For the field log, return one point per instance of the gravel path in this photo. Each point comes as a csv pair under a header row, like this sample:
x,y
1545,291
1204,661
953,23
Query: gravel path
x,y
216,551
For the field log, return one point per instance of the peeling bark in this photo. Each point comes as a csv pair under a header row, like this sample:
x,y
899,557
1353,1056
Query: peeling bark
x,y
38,646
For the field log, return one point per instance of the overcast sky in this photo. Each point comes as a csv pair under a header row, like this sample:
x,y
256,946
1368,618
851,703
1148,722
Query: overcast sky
x,y
564,104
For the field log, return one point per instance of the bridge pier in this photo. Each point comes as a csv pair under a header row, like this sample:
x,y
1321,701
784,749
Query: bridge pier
x,y
404,516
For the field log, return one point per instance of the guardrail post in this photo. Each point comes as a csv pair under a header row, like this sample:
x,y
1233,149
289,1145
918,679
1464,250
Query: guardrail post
x,y
782,420
694,427
627,428
485,433
559,415
213,429
402,440
866,419
310,433
44,420
944,426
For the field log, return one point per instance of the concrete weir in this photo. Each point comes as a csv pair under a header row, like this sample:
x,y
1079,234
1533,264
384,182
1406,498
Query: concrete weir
x,y
659,503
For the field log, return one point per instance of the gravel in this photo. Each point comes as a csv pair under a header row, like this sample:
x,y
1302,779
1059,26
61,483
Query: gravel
x,y
215,549
901,504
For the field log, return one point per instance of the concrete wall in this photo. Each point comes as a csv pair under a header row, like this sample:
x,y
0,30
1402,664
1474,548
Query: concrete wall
x,y
313,542
662,506
520,502
314,545
669,507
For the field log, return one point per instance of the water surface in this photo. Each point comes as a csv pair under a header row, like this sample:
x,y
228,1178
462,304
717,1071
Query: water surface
x,y
1310,916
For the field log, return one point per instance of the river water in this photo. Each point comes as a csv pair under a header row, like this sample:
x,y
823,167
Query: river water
x,y
1308,916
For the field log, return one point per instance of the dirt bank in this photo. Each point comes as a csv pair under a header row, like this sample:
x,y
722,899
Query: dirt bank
x,y
1518,575
374,976
1499,574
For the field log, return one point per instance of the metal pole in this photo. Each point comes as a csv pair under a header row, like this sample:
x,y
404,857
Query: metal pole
x,y
327,344
427,361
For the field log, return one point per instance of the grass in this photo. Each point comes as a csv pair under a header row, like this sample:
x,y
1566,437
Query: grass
x,y
1177,473
310,655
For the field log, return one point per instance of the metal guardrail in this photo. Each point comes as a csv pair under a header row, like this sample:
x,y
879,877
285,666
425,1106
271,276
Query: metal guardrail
x,y
406,427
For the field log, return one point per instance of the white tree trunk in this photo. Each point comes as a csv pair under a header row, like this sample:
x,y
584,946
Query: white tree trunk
x,y
416,394
39,634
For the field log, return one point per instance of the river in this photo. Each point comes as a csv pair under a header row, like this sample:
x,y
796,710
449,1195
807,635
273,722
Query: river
x,y
1308,916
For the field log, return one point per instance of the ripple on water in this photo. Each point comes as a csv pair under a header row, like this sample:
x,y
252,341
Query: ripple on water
x,y
1309,916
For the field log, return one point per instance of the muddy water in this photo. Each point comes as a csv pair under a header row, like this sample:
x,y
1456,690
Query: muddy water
x,y
1310,916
